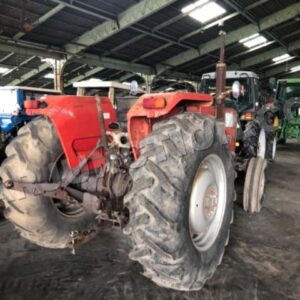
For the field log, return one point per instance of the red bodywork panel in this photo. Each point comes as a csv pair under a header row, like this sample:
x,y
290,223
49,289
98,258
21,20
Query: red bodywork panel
x,y
141,120
76,122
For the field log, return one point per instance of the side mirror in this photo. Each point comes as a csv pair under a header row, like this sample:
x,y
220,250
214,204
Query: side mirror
x,y
236,89
272,83
134,87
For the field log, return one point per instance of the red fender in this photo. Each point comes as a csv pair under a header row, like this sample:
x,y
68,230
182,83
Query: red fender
x,y
76,122
141,120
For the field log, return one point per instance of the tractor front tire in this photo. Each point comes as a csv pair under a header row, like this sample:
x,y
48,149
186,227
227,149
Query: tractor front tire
x,y
254,185
254,140
30,158
271,146
183,182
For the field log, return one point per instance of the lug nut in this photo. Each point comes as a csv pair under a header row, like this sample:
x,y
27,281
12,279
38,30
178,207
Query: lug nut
x,y
8,184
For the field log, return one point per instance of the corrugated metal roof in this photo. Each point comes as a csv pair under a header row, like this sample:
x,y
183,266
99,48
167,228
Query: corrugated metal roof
x,y
155,38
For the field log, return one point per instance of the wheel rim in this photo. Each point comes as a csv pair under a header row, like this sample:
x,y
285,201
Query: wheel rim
x,y
261,148
261,186
57,172
207,202
274,148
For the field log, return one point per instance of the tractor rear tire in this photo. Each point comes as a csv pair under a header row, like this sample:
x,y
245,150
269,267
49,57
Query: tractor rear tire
x,y
254,185
30,158
172,166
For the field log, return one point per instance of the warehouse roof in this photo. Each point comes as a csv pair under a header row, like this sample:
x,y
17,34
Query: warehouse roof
x,y
118,39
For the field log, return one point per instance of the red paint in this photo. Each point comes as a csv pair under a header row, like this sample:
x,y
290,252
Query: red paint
x,y
141,120
76,122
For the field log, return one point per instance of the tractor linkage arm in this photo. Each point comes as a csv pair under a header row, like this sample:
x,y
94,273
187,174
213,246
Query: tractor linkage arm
x,y
98,201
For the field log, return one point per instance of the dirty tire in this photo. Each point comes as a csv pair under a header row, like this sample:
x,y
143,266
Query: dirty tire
x,y
250,139
2,217
254,185
30,157
271,145
159,201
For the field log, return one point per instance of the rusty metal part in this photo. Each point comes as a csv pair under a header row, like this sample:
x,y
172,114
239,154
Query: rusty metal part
x,y
52,190
120,218
221,79
78,238
92,203
101,122
72,174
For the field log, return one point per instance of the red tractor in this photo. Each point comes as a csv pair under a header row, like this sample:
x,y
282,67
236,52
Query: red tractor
x,y
168,180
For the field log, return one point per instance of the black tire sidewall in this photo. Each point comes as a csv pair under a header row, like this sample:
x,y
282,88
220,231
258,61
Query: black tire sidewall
x,y
31,156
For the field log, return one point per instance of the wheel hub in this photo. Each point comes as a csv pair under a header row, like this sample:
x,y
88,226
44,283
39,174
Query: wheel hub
x,y
210,202
207,202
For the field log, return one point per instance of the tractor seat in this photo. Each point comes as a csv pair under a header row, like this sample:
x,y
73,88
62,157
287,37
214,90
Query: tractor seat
x,y
123,104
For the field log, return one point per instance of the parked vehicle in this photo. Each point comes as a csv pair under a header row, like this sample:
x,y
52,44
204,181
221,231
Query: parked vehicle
x,y
12,111
167,180
256,133
287,107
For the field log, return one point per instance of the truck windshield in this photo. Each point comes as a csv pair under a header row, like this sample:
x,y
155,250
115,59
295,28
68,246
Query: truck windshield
x,y
208,86
288,90
8,101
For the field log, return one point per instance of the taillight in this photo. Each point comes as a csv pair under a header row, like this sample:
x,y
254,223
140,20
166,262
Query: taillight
x,y
31,104
247,116
34,104
154,102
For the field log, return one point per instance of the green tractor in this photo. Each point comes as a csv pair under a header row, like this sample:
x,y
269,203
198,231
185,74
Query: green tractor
x,y
287,105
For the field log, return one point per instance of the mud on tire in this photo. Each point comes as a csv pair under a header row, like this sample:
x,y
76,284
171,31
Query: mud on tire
x,y
159,201
250,139
271,145
30,157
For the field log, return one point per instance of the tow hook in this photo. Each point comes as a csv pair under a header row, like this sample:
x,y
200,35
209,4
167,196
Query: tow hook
x,y
78,238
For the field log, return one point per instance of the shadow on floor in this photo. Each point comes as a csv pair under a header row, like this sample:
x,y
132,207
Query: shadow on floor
x,y
262,260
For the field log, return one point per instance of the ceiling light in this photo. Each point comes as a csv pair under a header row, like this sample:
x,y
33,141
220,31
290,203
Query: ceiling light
x,y
242,41
204,10
49,76
3,70
253,40
282,57
189,8
295,69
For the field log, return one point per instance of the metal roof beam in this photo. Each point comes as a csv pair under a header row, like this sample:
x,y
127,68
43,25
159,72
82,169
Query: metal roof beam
x,y
284,68
42,19
116,64
233,36
7,56
26,50
132,15
30,74
83,76
17,67
257,59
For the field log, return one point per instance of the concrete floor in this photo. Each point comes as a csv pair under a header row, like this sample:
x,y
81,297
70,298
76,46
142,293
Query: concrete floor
x,y
262,260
